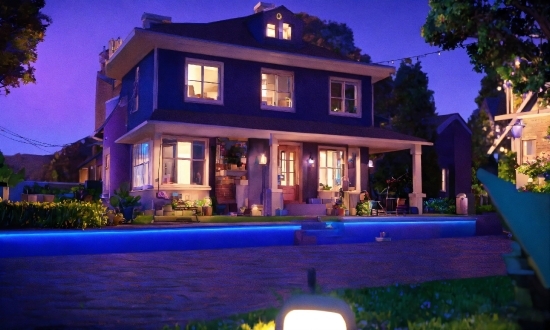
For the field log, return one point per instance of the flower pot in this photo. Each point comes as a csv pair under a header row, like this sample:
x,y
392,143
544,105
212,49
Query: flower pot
x,y
353,211
341,212
128,213
49,198
178,213
167,208
159,212
207,210
117,220
5,193
32,198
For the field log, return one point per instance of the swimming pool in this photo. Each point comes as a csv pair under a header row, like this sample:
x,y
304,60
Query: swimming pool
x,y
99,241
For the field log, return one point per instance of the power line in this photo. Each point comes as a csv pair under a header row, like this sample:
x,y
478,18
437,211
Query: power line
x,y
21,139
438,52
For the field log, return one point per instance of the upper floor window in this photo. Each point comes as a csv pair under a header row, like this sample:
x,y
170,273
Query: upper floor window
x,y
203,81
280,30
141,166
345,97
135,92
277,90
184,161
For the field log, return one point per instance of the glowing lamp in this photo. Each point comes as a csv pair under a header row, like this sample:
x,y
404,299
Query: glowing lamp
x,y
517,129
371,163
310,161
263,160
315,312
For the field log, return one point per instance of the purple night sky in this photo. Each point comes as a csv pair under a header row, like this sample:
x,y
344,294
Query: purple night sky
x,y
59,108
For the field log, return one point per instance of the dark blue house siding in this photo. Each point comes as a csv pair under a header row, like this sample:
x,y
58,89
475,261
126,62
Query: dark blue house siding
x,y
242,81
146,81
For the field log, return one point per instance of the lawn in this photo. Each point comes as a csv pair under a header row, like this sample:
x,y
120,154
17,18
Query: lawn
x,y
477,303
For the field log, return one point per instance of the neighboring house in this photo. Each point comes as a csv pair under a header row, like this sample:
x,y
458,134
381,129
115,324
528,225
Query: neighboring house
x,y
493,107
454,152
531,121
199,99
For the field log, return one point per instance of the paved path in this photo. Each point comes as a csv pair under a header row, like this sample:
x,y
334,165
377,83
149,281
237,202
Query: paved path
x,y
149,290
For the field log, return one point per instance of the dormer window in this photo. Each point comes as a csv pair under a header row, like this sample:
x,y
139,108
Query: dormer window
x,y
287,31
270,31
280,31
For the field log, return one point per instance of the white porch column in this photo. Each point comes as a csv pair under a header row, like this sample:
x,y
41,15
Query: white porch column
x,y
274,196
415,198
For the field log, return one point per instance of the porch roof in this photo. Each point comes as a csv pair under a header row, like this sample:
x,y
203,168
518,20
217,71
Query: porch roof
x,y
181,122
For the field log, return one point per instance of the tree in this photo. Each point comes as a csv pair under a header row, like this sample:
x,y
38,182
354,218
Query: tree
x,y
337,37
22,27
511,38
410,108
482,137
490,87
8,177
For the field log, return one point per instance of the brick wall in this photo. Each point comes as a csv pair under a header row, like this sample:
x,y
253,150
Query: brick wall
x,y
536,128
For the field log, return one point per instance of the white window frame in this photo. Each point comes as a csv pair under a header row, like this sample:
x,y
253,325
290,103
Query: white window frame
x,y
528,157
282,31
191,186
268,30
203,63
279,30
343,165
444,175
345,81
146,182
275,107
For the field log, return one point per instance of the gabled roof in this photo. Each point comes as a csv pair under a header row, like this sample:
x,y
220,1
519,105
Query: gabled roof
x,y
443,121
236,31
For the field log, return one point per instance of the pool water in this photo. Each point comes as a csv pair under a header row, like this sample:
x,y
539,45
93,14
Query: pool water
x,y
99,241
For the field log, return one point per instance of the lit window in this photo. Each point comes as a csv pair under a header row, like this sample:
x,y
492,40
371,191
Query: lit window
x,y
287,31
344,97
183,161
141,166
270,31
444,180
331,167
277,89
528,150
204,81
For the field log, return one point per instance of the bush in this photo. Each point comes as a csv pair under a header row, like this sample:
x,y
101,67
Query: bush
x,y
440,205
65,214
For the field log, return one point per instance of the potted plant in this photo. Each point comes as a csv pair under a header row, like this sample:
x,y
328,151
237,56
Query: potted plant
x,y
8,178
207,206
325,192
126,202
341,210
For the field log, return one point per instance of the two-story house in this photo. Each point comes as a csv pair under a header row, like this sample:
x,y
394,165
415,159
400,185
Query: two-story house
x,y
242,110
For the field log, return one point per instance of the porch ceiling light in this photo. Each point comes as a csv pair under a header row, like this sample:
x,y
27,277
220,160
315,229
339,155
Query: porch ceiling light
x,y
310,161
315,312
262,160
371,163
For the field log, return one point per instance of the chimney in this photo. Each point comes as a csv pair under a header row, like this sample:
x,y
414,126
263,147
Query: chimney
x,y
263,6
148,19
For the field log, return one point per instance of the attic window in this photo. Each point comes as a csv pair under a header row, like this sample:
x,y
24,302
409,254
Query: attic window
x,y
270,31
287,31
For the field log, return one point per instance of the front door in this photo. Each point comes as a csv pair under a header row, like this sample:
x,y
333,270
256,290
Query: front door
x,y
288,173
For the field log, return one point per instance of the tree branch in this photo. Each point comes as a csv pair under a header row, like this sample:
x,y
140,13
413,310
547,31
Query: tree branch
x,y
544,24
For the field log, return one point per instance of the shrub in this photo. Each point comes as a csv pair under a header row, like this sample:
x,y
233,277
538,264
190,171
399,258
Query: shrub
x,y
65,214
441,205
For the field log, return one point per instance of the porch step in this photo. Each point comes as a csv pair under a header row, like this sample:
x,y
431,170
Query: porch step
x,y
306,209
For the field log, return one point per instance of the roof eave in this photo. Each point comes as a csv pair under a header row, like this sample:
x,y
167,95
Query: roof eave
x,y
140,42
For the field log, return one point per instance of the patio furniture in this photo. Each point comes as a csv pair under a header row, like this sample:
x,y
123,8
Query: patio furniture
x,y
376,208
402,207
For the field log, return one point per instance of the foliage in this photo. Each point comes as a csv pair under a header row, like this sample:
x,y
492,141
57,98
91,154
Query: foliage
x,y
65,214
64,165
363,207
475,303
531,187
22,28
124,197
337,37
536,167
393,165
507,167
482,137
511,38
485,208
441,205
324,186
8,176
490,87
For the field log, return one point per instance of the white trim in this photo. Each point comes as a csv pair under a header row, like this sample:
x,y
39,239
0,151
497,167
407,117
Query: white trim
x,y
140,42
345,81
292,108
344,162
178,186
203,63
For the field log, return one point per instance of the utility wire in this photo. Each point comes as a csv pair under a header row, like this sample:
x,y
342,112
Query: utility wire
x,y
21,139
438,52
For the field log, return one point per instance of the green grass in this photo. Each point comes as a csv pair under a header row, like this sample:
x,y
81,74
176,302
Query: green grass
x,y
478,303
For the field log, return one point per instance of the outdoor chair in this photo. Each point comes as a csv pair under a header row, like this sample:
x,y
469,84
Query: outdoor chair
x,y
402,207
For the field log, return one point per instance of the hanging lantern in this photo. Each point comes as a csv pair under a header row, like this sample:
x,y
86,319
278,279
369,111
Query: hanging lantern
x,y
517,129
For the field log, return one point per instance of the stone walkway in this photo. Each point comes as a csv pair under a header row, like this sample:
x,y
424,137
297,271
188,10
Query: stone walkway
x,y
149,290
